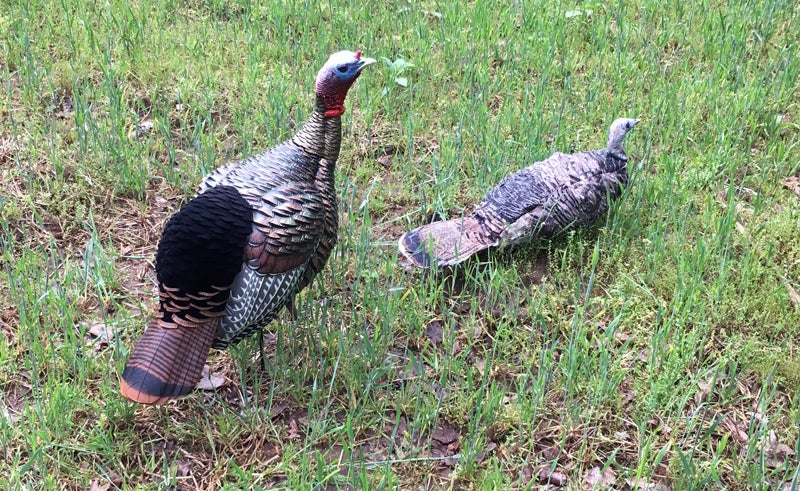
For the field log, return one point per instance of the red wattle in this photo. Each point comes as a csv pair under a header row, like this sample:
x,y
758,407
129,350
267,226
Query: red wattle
x,y
332,113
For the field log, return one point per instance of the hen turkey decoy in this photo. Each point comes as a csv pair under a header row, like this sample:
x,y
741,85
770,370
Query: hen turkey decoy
x,y
257,233
540,201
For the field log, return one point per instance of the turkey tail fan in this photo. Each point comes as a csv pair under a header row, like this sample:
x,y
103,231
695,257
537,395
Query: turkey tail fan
x,y
444,243
167,362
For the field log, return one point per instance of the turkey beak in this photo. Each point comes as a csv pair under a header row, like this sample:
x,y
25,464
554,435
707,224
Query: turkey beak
x,y
364,61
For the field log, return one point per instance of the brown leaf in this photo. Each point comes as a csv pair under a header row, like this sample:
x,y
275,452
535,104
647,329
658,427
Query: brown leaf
x,y
526,475
161,203
115,479
100,330
385,160
496,431
737,430
278,409
434,332
555,477
211,381
481,456
702,394
184,468
551,453
793,296
293,430
446,434
621,337
97,486
141,129
793,184
621,435
776,453
601,479
643,485
628,397
98,336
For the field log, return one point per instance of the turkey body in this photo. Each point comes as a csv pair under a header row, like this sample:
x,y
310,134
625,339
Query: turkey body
x,y
257,233
560,193
294,224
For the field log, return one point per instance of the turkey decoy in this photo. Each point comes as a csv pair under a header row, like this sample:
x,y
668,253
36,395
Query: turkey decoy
x,y
540,201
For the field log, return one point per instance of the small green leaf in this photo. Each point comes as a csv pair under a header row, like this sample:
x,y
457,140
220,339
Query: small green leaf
x,y
402,81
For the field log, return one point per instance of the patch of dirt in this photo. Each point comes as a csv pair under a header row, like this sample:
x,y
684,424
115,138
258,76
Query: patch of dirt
x,y
536,273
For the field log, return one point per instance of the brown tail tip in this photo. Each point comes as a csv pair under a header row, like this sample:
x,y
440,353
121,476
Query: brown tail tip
x,y
166,362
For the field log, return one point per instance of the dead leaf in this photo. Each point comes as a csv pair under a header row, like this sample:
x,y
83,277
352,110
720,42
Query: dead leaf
x,y
184,468
776,453
551,453
481,456
385,160
161,203
628,397
601,479
702,394
555,477
496,431
100,331
737,430
115,479
67,111
793,296
211,381
278,409
621,435
621,337
793,184
446,434
526,475
141,129
643,485
98,336
434,332
293,430
94,485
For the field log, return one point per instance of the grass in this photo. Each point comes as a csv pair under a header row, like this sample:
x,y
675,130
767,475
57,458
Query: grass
x,y
658,350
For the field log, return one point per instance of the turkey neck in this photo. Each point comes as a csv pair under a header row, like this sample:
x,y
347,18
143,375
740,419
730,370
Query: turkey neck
x,y
321,136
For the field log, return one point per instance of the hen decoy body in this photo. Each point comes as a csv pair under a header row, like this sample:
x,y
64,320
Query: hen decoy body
x,y
540,201
257,232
